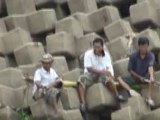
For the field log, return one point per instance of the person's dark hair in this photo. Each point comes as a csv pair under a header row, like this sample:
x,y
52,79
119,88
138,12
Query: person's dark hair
x,y
143,41
99,40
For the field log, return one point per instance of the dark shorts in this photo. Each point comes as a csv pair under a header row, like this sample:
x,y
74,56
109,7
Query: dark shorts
x,y
132,81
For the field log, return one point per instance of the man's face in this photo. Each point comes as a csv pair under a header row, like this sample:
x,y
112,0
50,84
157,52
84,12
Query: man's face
x,y
143,48
47,65
97,48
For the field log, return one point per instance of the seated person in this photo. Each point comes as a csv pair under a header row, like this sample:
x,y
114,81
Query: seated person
x,y
47,83
140,67
98,68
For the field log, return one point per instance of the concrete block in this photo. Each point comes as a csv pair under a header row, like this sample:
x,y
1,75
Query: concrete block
x,y
47,112
60,1
124,114
2,7
98,97
70,25
12,97
60,65
142,19
41,21
151,35
73,63
11,77
82,18
29,70
120,28
62,9
104,16
2,26
14,21
10,60
3,63
42,3
28,95
138,105
82,5
92,116
8,114
72,75
121,67
111,2
155,94
14,39
84,43
2,48
154,3
118,54
73,115
157,76
32,51
70,99
61,43
153,115
20,6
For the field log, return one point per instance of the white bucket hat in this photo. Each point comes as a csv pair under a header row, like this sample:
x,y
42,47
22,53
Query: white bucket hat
x,y
47,58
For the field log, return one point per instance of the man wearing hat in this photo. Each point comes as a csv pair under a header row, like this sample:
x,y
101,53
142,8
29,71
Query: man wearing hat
x,y
47,83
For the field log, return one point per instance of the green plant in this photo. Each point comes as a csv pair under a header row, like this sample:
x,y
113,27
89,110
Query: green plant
x,y
23,114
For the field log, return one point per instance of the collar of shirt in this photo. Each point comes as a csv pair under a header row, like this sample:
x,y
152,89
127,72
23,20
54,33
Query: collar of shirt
x,y
146,56
44,71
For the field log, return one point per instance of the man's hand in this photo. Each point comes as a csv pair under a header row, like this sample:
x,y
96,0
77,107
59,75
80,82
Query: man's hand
x,y
142,79
103,72
107,73
39,85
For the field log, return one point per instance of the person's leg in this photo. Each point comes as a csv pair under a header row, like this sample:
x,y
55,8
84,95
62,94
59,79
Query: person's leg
x,y
149,97
81,92
84,82
55,105
112,88
125,82
51,98
109,84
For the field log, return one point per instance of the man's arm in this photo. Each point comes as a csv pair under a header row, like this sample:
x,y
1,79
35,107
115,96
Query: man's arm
x,y
151,73
150,69
57,82
131,71
37,79
108,64
95,71
136,75
38,84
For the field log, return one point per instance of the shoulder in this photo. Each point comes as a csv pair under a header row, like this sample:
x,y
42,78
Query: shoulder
x,y
53,71
38,70
107,54
151,55
89,52
134,55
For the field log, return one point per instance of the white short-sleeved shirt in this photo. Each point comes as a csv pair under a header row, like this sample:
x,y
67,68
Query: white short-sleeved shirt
x,y
44,77
97,62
